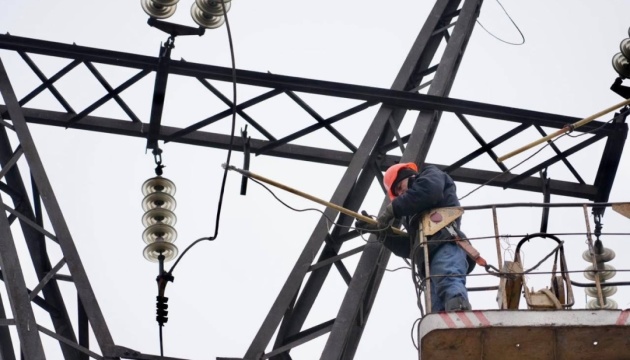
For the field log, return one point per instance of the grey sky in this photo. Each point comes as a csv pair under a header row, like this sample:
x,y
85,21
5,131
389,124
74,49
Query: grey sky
x,y
224,289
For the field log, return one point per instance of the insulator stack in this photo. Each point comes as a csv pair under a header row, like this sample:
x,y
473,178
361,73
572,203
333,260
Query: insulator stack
x,y
606,272
159,219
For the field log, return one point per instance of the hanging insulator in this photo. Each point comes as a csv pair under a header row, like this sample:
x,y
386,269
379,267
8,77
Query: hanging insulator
x,y
610,304
159,216
606,255
606,291
606,272
159,219
158,184
152,251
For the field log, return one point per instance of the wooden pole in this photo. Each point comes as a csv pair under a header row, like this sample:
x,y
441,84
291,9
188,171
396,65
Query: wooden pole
x,y
565,129
341,209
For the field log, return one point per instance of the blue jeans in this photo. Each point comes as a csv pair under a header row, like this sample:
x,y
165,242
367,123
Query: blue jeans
x,y
449,259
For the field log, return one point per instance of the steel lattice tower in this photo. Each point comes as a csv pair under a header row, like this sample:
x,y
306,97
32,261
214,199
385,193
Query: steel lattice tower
x,y
448,27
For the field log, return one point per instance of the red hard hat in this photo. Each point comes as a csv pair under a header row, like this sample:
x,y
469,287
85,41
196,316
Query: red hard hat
x,y
392,173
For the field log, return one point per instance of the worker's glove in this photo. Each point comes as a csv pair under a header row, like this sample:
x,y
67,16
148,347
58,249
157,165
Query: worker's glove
x,y
383,221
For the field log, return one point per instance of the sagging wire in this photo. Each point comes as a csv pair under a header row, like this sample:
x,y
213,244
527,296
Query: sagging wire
x,y
229,154
506,236
516,26
418,285
413,326
525,272
382,233
165,277
623,113
591,131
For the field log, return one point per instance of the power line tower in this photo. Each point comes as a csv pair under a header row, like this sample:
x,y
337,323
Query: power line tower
x,y
431,64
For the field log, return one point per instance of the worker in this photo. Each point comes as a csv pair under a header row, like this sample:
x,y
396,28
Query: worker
x,y
412,193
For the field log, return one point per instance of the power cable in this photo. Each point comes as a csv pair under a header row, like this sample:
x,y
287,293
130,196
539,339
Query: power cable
x,y
229,156
381,233
622,113
516,26
512,168
413,326
591,131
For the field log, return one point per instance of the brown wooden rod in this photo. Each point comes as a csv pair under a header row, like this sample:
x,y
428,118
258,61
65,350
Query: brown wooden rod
x,y
341,209
565,129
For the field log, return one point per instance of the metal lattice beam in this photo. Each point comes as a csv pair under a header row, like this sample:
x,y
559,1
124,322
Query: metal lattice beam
x,y
30,340
448,27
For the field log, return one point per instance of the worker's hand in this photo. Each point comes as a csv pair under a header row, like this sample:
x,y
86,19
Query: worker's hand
x,y
385,218
383,221
364,225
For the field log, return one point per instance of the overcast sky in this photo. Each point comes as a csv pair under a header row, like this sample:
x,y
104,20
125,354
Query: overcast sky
x,y
224,289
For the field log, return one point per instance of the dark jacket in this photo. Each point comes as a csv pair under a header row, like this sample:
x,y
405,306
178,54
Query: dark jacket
x,y
430,189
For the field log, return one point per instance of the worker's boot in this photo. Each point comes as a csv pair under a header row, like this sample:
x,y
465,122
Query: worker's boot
x,y
457,304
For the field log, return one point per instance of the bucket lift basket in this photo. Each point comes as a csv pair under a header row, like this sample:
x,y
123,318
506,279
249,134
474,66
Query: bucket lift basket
x,y
559,294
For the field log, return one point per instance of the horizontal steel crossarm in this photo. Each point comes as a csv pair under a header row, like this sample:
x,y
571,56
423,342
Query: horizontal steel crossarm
x,y
111,90
395,98
49,84
487,148
320,120
239,111
214,118
46,84
564,160
309,129
298,152
556,158
134,79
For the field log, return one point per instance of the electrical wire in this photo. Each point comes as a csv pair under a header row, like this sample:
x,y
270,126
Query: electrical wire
x,y
382,233
161,341
591,131
538,151
516,26
623,113
229,156
413,326
512,168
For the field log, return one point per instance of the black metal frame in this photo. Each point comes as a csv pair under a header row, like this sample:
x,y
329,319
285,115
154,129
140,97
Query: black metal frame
x,y
448,22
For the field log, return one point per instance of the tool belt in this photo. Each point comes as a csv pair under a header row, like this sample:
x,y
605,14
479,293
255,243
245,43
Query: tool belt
x,y
435,220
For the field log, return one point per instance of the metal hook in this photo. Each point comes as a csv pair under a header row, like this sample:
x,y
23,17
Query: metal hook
x,y
157,156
